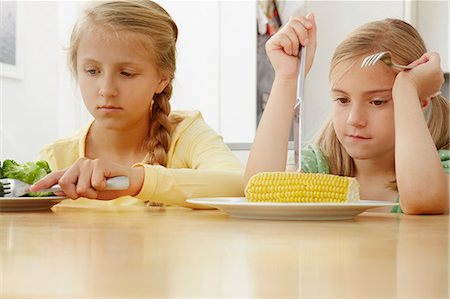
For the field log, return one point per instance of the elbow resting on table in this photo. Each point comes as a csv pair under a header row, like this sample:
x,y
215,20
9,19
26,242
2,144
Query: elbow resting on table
x,y
430,202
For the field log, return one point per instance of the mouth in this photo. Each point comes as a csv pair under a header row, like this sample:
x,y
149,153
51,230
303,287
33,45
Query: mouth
x,y
109,108
357,137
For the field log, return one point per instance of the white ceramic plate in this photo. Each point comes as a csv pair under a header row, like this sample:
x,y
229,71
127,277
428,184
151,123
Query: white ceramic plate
x,y
25,204
239,207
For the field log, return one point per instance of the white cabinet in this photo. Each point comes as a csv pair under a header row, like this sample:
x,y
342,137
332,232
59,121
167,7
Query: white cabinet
x,y
216,67
238,70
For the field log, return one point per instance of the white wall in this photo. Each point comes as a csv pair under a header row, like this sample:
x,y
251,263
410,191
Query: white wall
x,y
28,107
431,19
190,69
216,66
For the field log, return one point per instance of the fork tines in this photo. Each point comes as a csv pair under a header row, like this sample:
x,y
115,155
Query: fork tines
x,y
372,59
5,185
4,188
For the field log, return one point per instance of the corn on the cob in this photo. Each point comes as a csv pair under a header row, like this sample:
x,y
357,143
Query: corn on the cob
x,y
301,187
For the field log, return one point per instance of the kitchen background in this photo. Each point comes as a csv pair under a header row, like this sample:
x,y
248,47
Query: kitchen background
x,y
220,59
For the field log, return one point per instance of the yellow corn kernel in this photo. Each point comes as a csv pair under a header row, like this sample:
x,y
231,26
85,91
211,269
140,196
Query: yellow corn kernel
x,y
285,187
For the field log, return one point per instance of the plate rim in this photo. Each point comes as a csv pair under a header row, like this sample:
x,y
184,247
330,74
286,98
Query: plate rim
x,y
29,204
31,198
236,208
361,203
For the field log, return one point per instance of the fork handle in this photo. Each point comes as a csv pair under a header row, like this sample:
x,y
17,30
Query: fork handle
x,y
115,183
401,67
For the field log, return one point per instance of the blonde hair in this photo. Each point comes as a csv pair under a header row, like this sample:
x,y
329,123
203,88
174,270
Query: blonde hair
x,y
405,45
160,34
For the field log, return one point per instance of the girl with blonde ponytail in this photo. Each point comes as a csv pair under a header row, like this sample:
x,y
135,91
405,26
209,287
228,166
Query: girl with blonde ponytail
x,y
388,128
122,54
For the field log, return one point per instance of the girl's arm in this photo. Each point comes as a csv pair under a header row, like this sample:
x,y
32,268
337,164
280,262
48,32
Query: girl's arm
x,y
421,181
201,166
269,149
219,174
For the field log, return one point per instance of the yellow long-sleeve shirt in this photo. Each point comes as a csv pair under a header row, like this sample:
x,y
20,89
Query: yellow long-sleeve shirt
x,y
199,165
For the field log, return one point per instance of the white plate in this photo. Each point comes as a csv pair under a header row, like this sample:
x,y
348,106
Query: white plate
x,y
239,207
25,204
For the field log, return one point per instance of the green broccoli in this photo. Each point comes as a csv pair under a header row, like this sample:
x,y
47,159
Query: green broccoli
x,y
29,173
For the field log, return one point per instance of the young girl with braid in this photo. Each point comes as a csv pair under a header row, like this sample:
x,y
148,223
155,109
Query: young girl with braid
x,y
122,54
388,128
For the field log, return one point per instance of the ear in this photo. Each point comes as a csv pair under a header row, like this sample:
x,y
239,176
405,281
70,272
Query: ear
x,y
163,81
424,104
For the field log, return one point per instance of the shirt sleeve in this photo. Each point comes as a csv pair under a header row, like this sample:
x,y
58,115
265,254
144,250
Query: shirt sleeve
x,y
203,166
445,160
313,160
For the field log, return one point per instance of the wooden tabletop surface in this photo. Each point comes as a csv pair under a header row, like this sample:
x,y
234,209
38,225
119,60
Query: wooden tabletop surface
x,y
176,252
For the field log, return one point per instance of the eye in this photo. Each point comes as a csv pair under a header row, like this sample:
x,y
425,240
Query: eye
x,y
91,71
127,74
378,102
342,100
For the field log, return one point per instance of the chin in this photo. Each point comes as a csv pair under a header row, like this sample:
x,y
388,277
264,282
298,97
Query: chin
x,y
110,124
367,154
359,154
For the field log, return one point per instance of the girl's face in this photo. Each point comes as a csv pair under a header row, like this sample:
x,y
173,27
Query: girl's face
x,y
363,110
117,77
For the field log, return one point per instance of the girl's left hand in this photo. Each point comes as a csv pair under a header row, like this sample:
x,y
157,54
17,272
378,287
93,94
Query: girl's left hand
x,y
426,76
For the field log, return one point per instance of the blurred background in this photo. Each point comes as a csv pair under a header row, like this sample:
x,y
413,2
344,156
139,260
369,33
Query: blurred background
x,y
222,69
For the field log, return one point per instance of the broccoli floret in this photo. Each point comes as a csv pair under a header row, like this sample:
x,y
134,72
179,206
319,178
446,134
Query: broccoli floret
x,y
29,173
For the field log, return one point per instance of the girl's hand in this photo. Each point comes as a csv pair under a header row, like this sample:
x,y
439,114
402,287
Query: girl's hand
x,y
426,76
284,47
87,178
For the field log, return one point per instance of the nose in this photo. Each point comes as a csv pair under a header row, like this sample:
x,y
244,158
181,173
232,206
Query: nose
x,y
357,116
108,87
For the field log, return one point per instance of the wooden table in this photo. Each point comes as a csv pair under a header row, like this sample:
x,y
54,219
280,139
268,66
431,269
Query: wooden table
x,y
176,252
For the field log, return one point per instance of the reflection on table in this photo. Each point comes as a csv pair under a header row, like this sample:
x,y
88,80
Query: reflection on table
x,y
175,252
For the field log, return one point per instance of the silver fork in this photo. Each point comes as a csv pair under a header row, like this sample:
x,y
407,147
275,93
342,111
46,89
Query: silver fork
x,y
384,57
16,188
